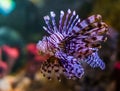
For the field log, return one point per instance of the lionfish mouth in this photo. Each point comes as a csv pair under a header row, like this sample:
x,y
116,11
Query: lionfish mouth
x,y
72,42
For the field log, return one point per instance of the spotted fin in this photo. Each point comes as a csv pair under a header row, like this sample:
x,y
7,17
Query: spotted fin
x,y
52,67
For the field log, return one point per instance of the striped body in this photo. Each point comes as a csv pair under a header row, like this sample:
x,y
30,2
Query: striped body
x,y
70,42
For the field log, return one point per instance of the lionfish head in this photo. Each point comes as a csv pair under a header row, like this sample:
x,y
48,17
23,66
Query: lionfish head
x,y
43,47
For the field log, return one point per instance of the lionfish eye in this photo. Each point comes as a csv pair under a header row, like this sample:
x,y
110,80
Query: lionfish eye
x,y
41,53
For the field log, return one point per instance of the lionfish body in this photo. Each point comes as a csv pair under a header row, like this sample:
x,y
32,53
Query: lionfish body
x,y
72,42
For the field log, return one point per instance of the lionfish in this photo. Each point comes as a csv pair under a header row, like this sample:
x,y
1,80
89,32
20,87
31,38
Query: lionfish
x,y
71,43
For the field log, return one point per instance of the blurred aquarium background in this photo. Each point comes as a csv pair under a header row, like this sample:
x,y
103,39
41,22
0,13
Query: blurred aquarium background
x,y
21,24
